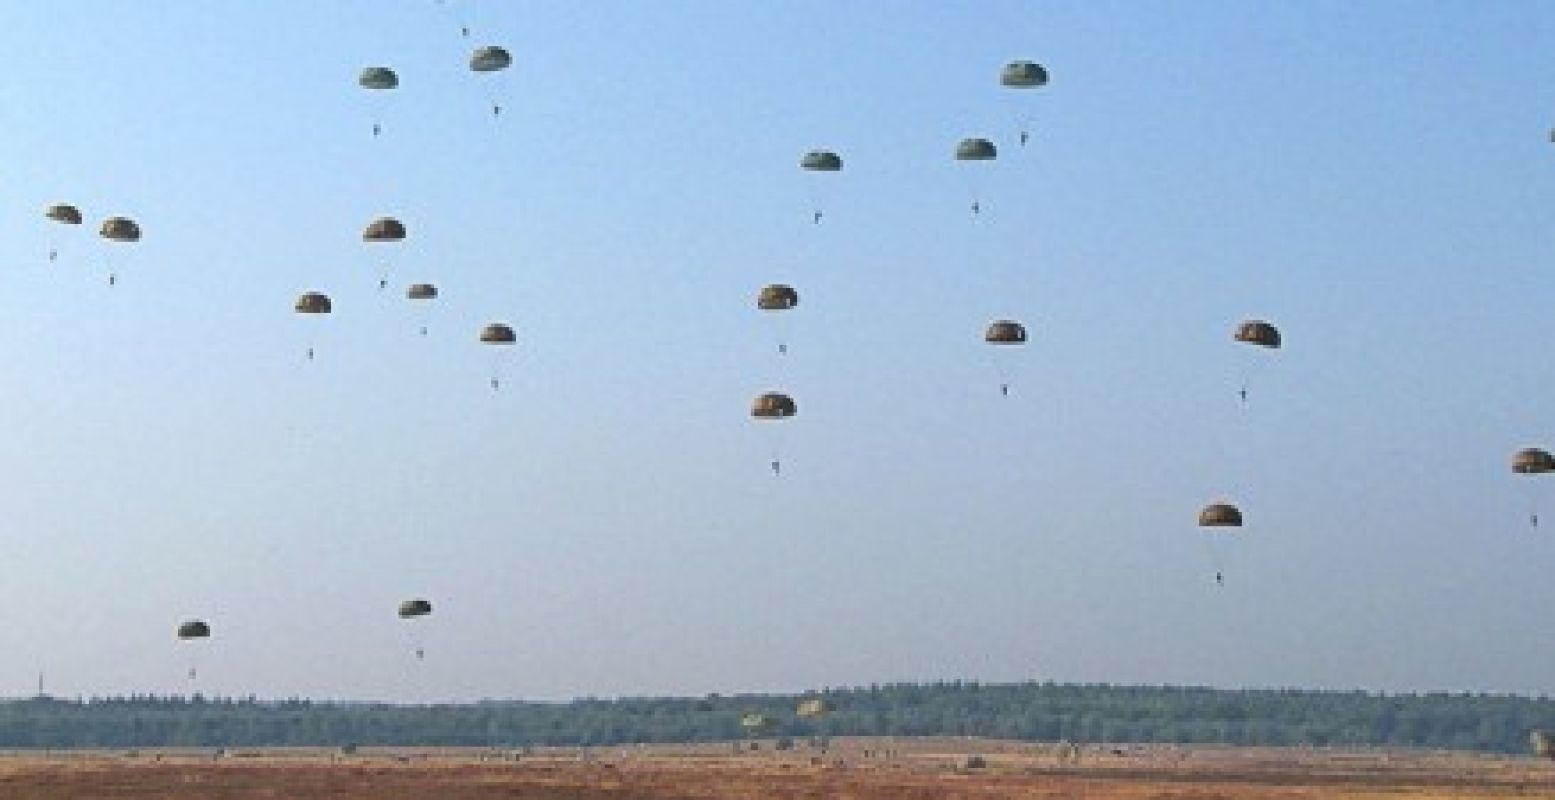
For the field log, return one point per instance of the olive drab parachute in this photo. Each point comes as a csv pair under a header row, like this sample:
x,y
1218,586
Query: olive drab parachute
x,y
421,291
1533,461
1003,333
1262,336
974,151
378,79
313,303
778,297
412,610
1219,516
501,335
194,630
821,161
64,214
491,60
384,229
1260,333
1023,75
120,230
772,407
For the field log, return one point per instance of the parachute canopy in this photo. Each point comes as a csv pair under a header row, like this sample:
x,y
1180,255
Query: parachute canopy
x,y
490,59
314,303
1005,331
1023,75
120,229
814,707
1532,461
421,291
1220,515
773,405
498,333
194,629
821,161
378,78
64,212
1258,332
415,608
976,150
384,229
777,297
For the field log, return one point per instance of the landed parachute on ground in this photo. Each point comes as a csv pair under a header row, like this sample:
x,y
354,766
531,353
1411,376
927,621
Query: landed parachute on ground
x,y
755,723
814,707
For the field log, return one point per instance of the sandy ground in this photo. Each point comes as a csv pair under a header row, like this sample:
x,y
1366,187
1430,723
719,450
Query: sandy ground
x,y
860,769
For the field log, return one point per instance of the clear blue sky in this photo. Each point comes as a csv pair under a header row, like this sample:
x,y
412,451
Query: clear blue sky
x,y
1374,178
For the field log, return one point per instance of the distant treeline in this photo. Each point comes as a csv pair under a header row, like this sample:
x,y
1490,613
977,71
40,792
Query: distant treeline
x,y
1092,714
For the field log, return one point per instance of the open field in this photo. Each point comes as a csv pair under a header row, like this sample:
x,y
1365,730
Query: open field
x,y
859,769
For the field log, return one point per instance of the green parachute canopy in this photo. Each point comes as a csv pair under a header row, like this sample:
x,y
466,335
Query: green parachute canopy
x,y
378,79
490,59
1220,515
194,629
1532,461
1005,331
313,303
773,405
421,291
976,150
120,229
384,229
821,161
1260,333
418,607
64,213
777,297
1023,75
498,333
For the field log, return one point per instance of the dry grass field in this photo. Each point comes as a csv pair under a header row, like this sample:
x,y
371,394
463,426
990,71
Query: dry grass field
x,y
859,769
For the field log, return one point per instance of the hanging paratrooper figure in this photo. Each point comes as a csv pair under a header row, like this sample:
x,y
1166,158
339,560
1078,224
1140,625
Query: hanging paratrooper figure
x,y
1023,75
819,161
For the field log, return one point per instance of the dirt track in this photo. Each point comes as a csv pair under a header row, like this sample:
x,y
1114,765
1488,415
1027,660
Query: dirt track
x,y
858,770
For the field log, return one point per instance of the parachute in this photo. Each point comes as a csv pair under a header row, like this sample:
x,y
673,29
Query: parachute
x,y
65,214
1261,335
973,151
384,229
819,161
1219,515
1003,333
121,230
416,609
1533,461
419,293
491,60
312,303
778,297
774,406
378,80
754,723
1023,75
502,335
193,630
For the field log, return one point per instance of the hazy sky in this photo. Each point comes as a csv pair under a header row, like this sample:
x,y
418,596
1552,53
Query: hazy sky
x,y
1376,178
